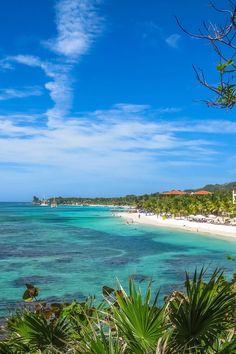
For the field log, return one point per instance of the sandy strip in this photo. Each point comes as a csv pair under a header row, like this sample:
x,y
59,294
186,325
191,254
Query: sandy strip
x,y
220,230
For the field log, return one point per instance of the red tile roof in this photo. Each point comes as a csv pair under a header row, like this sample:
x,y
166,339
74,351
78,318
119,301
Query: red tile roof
x,y
202,192
177,192
173,192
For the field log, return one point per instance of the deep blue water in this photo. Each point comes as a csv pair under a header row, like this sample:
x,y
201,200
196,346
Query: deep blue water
x,y
71,252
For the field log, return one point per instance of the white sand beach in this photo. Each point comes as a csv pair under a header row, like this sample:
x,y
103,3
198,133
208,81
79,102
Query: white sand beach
x,y
154,220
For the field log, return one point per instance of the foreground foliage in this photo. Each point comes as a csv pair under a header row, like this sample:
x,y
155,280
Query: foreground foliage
x,y
200,319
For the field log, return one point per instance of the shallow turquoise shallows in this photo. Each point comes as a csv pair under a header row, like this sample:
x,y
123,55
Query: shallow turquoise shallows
x,y
70,252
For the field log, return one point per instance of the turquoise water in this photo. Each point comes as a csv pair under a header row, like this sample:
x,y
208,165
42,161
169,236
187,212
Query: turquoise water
x,y
71,252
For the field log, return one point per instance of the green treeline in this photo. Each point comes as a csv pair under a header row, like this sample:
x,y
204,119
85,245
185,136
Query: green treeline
x,y
219,203
127,200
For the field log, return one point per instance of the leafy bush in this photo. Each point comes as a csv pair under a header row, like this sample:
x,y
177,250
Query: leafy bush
x,y
201,319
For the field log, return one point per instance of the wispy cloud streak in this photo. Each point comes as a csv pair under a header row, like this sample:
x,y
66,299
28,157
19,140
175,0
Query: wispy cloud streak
x,y
173,40
77,25
10,93
59,87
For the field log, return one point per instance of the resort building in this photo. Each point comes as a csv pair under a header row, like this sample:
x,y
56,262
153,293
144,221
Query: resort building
x,y
174,192
202,192
178,192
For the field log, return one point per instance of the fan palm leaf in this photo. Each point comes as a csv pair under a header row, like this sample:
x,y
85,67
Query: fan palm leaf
x,y
203,314
140,323
39,333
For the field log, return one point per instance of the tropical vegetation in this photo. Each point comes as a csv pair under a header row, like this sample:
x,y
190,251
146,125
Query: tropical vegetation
x,y
218,203
198,319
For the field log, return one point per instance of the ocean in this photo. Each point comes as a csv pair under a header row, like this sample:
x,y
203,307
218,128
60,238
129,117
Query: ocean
x,y
70,252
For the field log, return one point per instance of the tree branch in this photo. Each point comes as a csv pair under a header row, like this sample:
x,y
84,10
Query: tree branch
x,y
223,41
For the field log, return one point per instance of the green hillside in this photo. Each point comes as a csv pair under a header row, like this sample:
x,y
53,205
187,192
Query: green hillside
x,y
219,187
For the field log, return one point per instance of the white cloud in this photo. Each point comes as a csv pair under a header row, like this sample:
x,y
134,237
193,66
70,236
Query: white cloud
x,y
132,108
215,126
113,134
108,144
5,65
203,126
173,40
77,26
9,93
169,110
29,60
125,141
60,86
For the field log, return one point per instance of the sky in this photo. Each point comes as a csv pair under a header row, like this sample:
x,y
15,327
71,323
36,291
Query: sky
x,y
99,98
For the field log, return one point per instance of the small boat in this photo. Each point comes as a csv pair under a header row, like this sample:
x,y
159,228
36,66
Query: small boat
x,y
54,203
44,203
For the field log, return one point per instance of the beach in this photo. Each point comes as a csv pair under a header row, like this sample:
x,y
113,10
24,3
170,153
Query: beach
x,y
202,227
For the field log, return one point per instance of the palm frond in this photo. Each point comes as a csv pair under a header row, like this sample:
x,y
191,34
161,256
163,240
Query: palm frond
x,y
138,321
39,333
203,313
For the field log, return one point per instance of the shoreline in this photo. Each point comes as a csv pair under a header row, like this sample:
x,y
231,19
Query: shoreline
x,y
185,225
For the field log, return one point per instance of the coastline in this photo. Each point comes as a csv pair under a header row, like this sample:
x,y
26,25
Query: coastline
x,y
186,225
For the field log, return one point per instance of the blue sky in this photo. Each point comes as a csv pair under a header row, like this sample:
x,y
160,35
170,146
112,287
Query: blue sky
x,y
98,98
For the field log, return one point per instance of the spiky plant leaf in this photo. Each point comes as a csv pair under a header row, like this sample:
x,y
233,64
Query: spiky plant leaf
x,y
13,347
104,344
139,322
38,333
225,344
201,315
